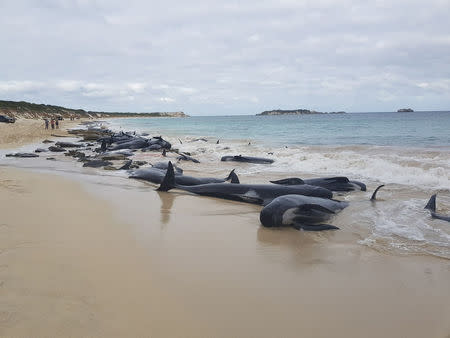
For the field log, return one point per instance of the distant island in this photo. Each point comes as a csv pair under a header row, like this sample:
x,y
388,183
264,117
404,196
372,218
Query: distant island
x,y
405,110
29,110
294,112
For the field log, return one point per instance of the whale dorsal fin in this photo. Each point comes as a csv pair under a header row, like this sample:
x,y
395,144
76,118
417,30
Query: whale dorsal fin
x,y
233,177
431,205
169,179
374,195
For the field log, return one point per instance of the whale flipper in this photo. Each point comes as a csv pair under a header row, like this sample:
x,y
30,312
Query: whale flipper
x,y
431,205
318,227
306,207
251,196
374,195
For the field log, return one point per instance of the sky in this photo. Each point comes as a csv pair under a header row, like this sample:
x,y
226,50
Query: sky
x,y
208,57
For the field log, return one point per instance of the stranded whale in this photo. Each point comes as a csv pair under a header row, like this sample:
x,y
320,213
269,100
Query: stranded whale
x,y
303,212
156,175
300,212
431,205
247,159
339,183
251,193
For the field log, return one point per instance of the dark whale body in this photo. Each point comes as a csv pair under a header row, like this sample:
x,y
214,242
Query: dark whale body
x,y
22,155
156,175
247,159
184,157
300,212
339,183
252,193
431,205
165,165
133,144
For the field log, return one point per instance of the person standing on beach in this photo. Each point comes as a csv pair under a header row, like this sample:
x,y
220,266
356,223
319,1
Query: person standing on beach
x,y
46,123
52,122
57,123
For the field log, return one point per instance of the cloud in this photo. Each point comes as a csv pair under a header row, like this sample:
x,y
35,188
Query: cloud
x,y
254,38
19,86
68,86
166,99
201,55
137,87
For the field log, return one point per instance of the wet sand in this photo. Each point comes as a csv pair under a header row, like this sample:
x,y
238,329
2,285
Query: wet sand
x,y
89,255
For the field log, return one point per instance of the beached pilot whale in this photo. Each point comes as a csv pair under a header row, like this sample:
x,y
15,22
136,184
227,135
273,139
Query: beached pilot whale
x,y
250,193
339,183
165,165
247,159
431,205
156,175
301,212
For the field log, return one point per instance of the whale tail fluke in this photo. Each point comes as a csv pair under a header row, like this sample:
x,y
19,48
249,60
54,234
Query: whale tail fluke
x,y
233,177
169,180
431,205
374,195
289,181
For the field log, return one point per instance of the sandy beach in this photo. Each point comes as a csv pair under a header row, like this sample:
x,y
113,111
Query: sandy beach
x,y
25,131
101,256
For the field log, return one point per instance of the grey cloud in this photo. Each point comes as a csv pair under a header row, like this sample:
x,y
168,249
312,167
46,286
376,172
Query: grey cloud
x,y
213,57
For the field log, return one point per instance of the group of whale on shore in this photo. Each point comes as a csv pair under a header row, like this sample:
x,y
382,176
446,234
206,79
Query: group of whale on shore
x,y
305,204
301,206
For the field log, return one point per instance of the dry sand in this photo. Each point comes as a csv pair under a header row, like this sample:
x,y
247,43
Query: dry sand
x,y
28,131
111,257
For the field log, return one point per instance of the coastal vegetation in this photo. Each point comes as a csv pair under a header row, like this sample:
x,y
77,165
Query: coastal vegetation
x,y
294,112
22,109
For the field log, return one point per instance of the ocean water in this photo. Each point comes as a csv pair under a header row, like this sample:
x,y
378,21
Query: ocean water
x,y
402,148
418,129
408,152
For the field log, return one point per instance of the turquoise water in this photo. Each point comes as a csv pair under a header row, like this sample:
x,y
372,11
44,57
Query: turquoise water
x,y
418,129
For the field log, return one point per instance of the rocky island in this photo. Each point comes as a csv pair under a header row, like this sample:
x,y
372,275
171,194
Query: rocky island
x,y
22,109
294,112
405,110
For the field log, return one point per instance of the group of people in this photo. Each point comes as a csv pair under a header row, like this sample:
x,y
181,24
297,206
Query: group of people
x,y
53,122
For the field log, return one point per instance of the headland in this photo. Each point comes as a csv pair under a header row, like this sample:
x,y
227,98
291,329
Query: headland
x,y
22,109
294,112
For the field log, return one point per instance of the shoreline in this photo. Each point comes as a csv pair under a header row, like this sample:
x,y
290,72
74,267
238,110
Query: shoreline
x,y
132,261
